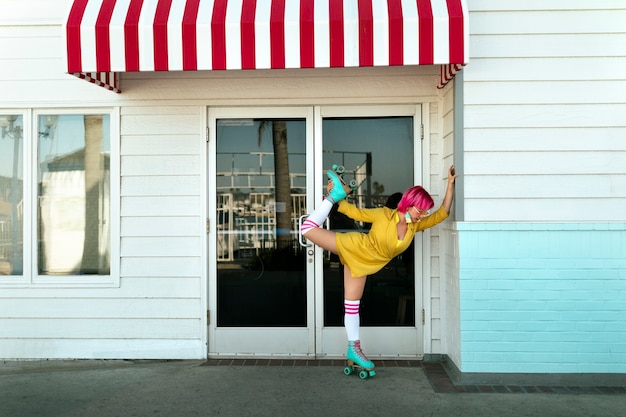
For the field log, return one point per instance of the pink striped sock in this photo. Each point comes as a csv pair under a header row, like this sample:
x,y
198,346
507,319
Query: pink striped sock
x,y
352,318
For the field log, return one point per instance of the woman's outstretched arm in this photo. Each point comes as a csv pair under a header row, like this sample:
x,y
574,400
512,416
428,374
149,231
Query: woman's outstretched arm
x,y
447,199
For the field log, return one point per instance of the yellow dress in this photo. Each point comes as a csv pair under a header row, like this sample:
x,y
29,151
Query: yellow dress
x,y
368,253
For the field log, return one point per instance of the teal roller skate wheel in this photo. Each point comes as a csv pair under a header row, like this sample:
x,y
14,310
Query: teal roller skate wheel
x,y
353,185
363,374
347,370
339,169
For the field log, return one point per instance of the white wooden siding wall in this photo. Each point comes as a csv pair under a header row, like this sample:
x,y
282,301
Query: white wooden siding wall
x,y
545,99
161,219
157,310
448,302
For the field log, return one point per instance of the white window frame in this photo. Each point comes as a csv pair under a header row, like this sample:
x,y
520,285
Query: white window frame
x,y
31,277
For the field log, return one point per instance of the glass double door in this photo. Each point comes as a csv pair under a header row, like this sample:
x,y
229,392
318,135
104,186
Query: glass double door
x,y
272,293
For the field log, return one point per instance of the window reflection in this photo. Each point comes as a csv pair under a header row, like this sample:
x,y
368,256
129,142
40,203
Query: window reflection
x,y
261,193
11,195
377,152
73,195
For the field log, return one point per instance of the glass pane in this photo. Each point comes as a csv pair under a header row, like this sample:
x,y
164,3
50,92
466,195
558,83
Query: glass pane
x,y
11,195
73,195
261,190
378,154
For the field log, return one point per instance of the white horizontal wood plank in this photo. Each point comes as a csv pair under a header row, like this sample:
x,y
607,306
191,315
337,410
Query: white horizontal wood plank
x,y
33,11
52,328
158,267
546,92
546,163
161,124
35,348
130,287
577,210
160,145
545,139
584,21
544,186
76,92
160,185
33,69
160,246
19,46
161,226
161,109
160,165
499,5
545,69
548,45
83,308
566,116
447,151
448,125
448,100
161,287
161,206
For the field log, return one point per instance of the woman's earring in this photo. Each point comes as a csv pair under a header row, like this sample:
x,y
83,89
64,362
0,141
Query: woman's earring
x,y
408,218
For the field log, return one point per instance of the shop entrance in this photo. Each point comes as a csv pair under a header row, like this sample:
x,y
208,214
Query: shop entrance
x,y
273,294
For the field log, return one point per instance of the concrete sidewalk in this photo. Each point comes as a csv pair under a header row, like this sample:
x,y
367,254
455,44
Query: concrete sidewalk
x,y
190,388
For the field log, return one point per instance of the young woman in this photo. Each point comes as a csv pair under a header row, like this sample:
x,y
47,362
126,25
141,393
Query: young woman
x,y
364,254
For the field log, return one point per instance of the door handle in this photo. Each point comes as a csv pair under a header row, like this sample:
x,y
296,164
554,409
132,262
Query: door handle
x,y
301,240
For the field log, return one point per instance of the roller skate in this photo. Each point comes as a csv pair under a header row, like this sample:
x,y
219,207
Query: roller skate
x,y
340,189
358,362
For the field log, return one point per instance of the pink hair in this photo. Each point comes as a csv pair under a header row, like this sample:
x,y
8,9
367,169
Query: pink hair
x,y
415,196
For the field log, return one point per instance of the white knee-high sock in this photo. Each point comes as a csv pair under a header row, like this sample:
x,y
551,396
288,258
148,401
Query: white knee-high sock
x,y
351,319
318,216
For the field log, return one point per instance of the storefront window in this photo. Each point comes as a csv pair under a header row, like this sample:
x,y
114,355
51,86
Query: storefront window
x,y
11,195
73,189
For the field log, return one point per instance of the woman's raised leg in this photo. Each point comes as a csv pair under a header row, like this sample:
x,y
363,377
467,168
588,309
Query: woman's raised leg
x,y
311,229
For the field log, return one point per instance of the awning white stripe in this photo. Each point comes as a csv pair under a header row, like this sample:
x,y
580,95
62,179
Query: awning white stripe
x,y
203,34
381,33
292,34
116,36
174,34
322,35
411,36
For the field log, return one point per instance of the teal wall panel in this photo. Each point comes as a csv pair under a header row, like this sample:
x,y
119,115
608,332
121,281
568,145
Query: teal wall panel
x,y
542,298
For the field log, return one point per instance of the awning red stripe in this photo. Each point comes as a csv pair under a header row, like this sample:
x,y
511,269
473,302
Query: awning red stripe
x,y
307,34
74,58
218,34
277,34
396,29
248,47
103,55
426,32
455,13
131,35
160,35
190,54
366,33
336,46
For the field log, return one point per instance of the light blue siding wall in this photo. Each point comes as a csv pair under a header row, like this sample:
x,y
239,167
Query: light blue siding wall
x,y
543,298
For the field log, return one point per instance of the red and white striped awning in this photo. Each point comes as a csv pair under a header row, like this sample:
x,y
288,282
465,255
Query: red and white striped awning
x,y
105,37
